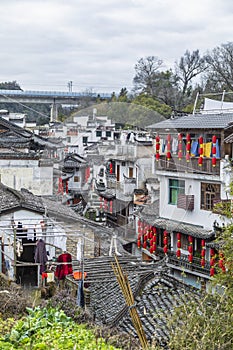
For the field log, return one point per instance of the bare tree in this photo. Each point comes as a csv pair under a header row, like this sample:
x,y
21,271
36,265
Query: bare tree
x,y
220,66
146,68
189,66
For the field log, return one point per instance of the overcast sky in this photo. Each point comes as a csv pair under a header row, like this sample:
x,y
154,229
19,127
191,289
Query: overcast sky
x,y
95,44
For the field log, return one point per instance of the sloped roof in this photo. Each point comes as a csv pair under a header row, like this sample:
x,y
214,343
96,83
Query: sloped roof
x,y
11,199
182,227
156,293
195,121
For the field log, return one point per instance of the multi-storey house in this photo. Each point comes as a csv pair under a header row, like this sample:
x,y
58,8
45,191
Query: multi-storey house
x,y
192,165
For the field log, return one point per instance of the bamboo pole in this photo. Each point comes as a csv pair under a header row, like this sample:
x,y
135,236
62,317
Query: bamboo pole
x,y
123,281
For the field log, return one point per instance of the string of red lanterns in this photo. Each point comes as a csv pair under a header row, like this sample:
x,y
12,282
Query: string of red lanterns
x,y
190,249
180,150
201,151
212,262
178,252
214,150
203,251
168,147
165,241
188,147
157,147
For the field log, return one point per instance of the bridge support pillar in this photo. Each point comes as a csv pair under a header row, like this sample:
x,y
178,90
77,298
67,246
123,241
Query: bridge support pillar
x,y
54,113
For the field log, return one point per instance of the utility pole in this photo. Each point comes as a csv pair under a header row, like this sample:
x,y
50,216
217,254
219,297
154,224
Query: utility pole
x,y
70,85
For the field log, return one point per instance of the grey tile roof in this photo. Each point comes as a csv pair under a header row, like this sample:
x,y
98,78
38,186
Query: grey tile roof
x,y
156,294
182,227
11,199
196,121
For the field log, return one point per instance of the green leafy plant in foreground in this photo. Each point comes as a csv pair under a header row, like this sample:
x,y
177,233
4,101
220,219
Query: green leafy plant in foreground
x,y
50,329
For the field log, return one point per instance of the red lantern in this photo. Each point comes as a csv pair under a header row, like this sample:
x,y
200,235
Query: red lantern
x,y
212,252
190,239
151,249
212,271
144,244
188,147
190,258
180,148
178,236
214,150
200,159
179,244
168,147
214,138
212,262
154,248
203,253
203,262
202,242
139,243
190,249
157,147
214,161
178,253
165,241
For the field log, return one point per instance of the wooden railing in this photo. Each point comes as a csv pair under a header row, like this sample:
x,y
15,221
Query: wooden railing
x,y
183,262
176,165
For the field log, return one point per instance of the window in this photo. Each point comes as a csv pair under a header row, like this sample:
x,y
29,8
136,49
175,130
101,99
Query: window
x,y
130,172
98,133
209,192
175,187
85,140
76,179
108,133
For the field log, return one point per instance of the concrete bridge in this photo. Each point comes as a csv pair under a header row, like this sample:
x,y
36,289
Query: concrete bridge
x,y
54,98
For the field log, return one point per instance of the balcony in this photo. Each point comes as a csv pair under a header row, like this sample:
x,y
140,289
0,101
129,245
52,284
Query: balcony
x,y
176,165
184,263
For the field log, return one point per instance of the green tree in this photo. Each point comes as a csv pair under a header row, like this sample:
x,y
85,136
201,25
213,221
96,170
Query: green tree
x,y
208,324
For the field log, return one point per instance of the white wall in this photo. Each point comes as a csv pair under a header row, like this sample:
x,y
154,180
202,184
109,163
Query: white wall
x,y
27,174
204,218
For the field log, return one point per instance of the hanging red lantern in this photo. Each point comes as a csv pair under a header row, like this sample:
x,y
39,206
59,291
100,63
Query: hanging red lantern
x,y
178,253
214,150
190,249
190,239
179,244
201,151
139,241
154,248
212,271
203,262
190,258
168,147
203,253
178,236
157,147
188,147
212,252
165,241
214,138
180,148
144,244
212,262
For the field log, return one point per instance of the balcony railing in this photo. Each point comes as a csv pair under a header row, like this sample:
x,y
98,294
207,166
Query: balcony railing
x,y
174,164
184,263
